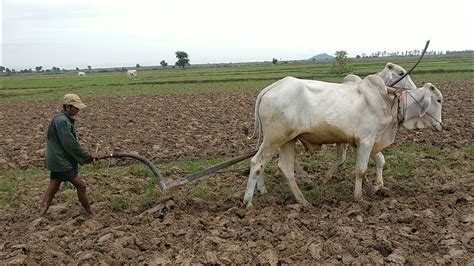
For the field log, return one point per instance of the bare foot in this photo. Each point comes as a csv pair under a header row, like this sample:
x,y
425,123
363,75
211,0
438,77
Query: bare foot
x,y
90,214
42,211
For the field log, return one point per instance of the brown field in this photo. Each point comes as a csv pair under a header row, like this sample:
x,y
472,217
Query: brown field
x,y
433,224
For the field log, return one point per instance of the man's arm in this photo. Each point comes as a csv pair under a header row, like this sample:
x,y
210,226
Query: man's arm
x,y
70,144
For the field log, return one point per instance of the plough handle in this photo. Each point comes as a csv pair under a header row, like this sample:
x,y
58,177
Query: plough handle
x,y
159,179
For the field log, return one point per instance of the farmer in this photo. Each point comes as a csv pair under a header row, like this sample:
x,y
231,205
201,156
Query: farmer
x,y
64,153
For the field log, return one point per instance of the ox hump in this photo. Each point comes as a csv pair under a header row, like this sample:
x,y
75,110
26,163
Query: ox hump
x,y
372,82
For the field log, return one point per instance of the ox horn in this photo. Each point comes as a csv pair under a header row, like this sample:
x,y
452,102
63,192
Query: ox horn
x,y
409,71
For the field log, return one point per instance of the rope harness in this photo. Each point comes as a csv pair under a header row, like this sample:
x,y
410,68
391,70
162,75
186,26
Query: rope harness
x,y
430,115
401,110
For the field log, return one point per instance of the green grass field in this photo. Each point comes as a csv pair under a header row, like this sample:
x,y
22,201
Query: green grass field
x,y
237,78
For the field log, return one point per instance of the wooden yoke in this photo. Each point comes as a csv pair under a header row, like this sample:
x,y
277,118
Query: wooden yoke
x,y
394,91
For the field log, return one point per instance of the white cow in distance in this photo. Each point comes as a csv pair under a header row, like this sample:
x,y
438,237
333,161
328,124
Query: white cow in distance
x,y
131,73
315,112
81,74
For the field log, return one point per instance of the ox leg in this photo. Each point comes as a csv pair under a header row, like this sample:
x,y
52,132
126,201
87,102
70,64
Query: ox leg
x,y
261,184
300,171
362,159
286,163
341,154
380,161
257,165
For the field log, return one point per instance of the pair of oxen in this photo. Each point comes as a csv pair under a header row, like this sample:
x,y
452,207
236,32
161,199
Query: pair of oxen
x,y
362,113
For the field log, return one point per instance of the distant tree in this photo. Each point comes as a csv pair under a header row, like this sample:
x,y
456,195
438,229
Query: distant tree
x,y
89,67
138,66
8,71
342,63
183,59
2,68
274,61
163,63
77,68
358,56
38,68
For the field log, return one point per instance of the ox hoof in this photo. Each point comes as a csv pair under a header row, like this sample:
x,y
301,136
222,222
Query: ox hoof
x,y
263,190
378,187
248,205
304,203
381,191
358,198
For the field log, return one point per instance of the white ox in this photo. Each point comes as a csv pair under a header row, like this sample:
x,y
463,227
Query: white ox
x,y
81,74
389,74
315,112
131,73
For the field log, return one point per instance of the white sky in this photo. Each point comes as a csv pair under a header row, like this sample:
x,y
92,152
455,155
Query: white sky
x,y
113,33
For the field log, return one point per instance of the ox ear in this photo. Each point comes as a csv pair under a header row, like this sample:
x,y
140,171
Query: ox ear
x,y
424,104
389,66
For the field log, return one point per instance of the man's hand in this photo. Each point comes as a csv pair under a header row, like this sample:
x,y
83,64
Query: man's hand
x,y
94,157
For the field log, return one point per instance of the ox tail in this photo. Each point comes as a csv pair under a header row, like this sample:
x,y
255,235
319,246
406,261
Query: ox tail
x,y
257,127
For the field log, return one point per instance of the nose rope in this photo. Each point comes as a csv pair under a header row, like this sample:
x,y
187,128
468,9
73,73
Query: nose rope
x,y
421,106
397,93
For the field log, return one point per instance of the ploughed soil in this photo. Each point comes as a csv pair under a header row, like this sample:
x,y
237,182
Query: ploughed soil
x,y
401,225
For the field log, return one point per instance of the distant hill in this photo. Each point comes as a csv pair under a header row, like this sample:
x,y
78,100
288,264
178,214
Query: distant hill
x,y
322,57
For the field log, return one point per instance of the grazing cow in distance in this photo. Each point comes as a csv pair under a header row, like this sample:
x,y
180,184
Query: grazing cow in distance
x,y
132,73
81,74
360,114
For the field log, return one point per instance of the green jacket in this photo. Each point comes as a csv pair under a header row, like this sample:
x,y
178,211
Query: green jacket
x,y
63,152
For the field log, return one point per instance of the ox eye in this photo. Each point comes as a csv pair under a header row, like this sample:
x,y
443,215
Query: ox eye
x,y
439,101
401,73
432,88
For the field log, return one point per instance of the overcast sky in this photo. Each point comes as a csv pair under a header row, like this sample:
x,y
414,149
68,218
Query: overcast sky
x,y
112,33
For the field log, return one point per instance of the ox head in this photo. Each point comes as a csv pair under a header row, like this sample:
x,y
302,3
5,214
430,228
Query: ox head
x,y
424,108
392,72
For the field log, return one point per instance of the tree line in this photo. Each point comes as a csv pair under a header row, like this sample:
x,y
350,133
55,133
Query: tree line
x,y
183,61
410,53
340,66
